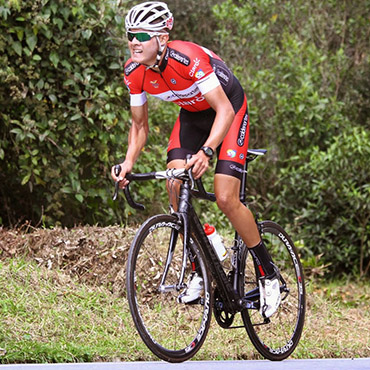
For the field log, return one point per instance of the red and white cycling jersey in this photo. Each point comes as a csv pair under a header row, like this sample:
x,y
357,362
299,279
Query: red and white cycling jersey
x,y
187,72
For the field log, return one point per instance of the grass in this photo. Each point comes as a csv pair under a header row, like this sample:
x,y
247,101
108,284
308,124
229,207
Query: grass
x,y
61,300
47,316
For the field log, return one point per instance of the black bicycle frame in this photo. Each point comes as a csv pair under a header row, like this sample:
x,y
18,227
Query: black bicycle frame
x,y
192,226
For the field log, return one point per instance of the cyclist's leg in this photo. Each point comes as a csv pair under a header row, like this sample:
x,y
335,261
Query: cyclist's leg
x,y
227,194
229,170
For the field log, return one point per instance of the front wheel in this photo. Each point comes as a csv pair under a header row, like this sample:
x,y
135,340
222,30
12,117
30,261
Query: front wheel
x,y
173,331
276,338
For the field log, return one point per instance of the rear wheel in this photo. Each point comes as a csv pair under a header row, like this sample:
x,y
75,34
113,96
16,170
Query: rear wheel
x,y
173,331
276,338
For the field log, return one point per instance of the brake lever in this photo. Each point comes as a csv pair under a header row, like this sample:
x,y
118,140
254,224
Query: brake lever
x,y
117,171
192,181
190,172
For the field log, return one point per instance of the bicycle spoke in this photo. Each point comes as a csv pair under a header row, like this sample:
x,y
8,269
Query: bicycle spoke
x,y
278,336
168,327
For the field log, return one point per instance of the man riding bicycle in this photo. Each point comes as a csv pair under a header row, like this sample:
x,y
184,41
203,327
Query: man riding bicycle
x,y
213,121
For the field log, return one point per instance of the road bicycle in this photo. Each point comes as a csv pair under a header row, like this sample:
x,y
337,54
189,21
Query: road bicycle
x,y
169,249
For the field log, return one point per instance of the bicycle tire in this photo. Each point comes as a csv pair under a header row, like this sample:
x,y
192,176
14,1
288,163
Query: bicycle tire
x,y
277,337
173,331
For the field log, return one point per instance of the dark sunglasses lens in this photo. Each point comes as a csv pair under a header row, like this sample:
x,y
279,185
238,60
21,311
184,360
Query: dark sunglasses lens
x,y
141,36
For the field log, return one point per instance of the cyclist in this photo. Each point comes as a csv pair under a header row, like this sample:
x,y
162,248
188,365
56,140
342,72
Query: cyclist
x,y
213,121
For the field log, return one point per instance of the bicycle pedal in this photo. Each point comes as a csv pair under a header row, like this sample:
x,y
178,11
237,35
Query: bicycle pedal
x,y
194,302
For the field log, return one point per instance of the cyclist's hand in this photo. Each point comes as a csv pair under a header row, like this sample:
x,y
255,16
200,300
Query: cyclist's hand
x,y
125,168
200,163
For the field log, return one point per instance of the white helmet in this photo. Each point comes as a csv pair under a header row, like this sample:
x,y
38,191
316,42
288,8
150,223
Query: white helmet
x,y
150,16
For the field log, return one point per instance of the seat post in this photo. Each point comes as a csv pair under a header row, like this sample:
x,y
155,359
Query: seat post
x,y
243,183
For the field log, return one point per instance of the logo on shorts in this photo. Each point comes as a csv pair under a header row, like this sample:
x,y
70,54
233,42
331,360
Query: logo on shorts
x,y
242,131
236,168
231,153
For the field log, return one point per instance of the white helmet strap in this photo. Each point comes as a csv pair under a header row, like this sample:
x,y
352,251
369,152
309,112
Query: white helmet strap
x,y
159,54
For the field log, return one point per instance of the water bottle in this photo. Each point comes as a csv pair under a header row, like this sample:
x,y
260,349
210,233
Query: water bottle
x,y
216,241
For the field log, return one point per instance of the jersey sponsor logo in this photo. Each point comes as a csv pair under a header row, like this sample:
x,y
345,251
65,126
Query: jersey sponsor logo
x,y
242,131
131,67
155,84
195,66
181,58
190,102
173,95
222,75
231,153
200,74
173,81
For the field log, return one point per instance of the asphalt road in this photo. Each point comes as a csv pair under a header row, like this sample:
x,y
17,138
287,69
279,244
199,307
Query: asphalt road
x,y
329,364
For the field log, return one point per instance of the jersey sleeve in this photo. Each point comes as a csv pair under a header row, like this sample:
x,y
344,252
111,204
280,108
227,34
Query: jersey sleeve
x,y
137,100
132,77
208,83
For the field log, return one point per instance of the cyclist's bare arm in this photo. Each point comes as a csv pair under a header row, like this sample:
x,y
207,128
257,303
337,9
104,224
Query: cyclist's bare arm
x,y
136,141
218,100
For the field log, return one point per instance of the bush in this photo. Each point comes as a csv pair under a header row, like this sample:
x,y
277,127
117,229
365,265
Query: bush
x,y
64,110
329,199
64,113
304,66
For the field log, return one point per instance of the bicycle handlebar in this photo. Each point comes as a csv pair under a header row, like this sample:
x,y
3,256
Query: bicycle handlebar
x,y
181,174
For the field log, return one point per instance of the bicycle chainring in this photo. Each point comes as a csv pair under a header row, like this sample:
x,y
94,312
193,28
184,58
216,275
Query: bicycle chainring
x,y
223,317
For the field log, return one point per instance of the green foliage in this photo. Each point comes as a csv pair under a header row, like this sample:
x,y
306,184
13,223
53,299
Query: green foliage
x,y
328,196
64,109
304,66
64,114
194,21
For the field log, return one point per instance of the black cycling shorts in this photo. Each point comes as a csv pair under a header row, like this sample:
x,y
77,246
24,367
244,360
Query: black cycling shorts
x,y
192,129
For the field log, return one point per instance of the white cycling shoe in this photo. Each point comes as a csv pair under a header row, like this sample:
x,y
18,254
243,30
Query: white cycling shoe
x,y
193,290
270,297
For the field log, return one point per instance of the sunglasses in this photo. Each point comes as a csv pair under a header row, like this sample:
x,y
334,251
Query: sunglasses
x,y
141,36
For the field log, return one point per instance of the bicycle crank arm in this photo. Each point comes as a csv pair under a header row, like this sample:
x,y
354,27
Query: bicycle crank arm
x,y
248,304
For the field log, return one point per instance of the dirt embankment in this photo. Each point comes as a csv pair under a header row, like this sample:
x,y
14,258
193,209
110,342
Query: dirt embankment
x,y
94,255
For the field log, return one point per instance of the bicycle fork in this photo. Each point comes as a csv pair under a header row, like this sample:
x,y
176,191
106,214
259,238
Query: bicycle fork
x,y
163,288
183,220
